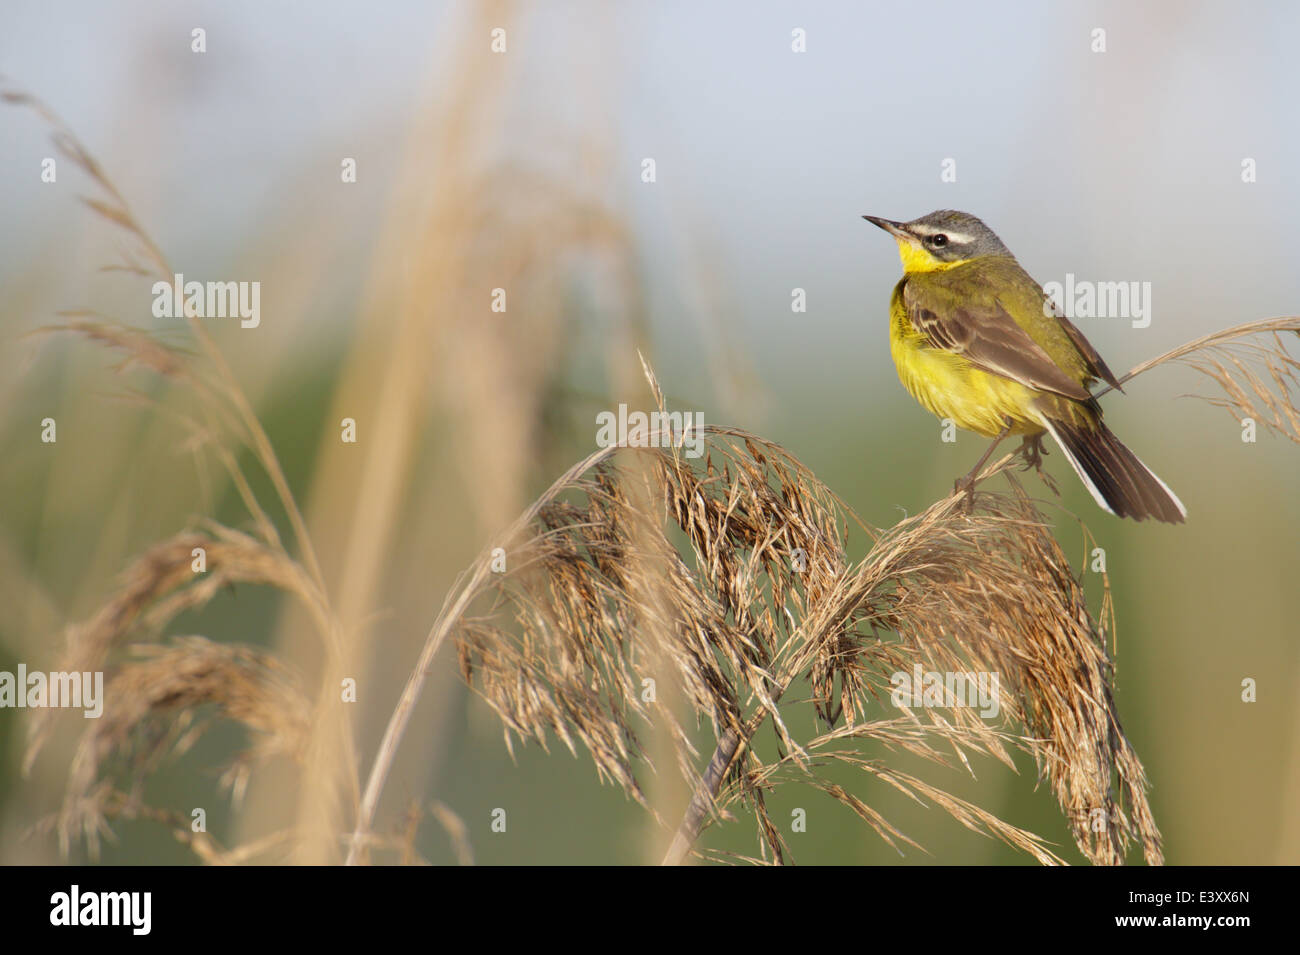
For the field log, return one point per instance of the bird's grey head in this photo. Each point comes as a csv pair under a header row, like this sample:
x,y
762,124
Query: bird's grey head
x,y
947,235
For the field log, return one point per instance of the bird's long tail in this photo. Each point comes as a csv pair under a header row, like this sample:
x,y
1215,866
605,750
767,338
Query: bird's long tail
x,y
1119,482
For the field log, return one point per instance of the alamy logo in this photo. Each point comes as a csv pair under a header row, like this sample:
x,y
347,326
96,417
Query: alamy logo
x,y
75,907
658,429
56,689
931,688
179,298
1085,299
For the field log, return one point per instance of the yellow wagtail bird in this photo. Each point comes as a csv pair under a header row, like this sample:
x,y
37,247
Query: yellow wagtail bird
x,y
975,339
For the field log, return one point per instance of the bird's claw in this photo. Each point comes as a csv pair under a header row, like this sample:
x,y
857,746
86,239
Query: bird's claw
x,y
1032,450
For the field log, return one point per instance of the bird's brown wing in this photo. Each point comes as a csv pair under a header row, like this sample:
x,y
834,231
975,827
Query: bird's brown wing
x,y
1096,366
985,334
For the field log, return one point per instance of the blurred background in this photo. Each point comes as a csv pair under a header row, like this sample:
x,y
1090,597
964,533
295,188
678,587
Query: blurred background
x,y
524,170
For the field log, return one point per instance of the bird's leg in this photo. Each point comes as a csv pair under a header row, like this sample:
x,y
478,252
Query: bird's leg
x,y
1032,449
967,483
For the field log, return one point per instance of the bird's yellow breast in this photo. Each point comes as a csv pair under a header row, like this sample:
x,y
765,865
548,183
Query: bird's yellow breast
x,y
949,386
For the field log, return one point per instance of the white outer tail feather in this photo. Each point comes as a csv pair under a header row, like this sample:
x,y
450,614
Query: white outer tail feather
x,y
1078,469
1092,488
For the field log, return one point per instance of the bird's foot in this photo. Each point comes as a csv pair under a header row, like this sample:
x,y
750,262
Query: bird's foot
x,y
1033,450
966,485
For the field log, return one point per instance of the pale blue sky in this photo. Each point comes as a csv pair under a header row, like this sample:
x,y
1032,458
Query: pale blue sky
x,y
1123,165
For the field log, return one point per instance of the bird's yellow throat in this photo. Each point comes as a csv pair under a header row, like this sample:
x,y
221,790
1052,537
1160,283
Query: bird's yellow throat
x,y
917,259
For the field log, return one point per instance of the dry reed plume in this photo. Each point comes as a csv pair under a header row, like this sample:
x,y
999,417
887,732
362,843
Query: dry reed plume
x,y
725,582
598,600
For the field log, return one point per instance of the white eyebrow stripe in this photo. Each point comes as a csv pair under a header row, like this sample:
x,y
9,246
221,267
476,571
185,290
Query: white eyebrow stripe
x,y
953,236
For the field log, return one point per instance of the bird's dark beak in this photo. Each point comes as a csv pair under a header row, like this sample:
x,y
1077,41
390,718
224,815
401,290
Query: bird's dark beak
x,y
889,225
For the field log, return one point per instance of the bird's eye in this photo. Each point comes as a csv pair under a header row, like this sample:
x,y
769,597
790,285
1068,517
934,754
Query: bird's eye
x,y
939,241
